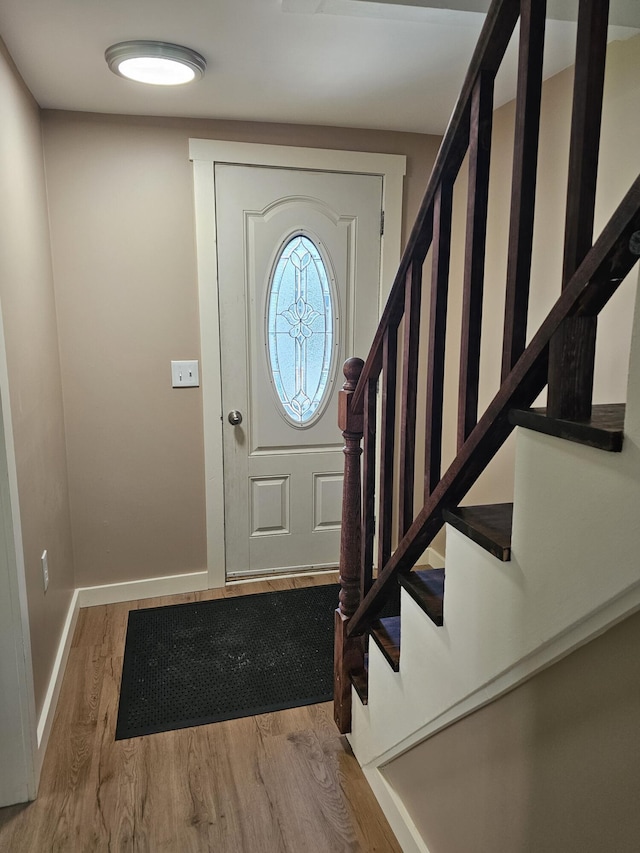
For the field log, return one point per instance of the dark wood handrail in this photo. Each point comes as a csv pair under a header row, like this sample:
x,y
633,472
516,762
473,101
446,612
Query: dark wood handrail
x,y
557,354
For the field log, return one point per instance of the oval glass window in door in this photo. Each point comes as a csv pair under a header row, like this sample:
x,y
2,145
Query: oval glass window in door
x,y
301,331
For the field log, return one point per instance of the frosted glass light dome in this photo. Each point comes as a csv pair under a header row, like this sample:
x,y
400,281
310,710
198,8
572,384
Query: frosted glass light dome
x,y
156,62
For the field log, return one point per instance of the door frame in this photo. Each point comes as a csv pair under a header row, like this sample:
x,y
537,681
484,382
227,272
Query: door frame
x,y
205,154
19,743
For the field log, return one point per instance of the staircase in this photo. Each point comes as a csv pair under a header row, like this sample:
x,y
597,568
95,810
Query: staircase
x,y
526,582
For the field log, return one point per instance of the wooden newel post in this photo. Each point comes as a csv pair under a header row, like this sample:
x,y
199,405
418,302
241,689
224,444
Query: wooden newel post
x,y
348,651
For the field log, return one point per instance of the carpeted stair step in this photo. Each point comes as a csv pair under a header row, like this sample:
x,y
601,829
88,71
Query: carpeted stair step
x,y
360,681
426,587
386,633
604,430
489,526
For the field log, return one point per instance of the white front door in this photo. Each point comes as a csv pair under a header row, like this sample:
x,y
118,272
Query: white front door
x,y
298,274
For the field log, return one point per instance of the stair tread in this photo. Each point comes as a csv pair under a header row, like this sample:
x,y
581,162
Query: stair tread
x,y
360,681
605,429
386,633
489,526
426,587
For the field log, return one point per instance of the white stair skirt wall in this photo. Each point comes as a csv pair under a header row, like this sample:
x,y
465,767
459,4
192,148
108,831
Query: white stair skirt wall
x,y
573,574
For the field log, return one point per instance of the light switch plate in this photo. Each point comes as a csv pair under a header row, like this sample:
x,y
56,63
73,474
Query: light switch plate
x,y
45,569
185,374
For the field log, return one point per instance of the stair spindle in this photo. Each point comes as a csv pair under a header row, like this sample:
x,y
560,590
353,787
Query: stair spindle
x,y
387,443
409,393
572,348
437,334
477,204
523,187
368,485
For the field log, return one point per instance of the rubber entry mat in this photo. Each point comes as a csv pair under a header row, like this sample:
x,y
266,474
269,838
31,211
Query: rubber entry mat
x,y
204,662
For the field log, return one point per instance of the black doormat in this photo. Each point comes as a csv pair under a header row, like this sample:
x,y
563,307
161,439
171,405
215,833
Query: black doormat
x,y
192,664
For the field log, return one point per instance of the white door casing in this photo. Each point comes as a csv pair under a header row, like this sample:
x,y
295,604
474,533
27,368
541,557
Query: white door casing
x,y
20,758
206,154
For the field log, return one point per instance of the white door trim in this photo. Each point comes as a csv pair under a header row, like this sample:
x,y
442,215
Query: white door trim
x,y
19,755
205,153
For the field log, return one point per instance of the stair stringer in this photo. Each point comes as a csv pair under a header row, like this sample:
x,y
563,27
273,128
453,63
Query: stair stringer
x,y
574,573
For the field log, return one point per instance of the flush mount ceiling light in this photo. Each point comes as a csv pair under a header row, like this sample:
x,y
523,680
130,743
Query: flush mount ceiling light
x,y
157,62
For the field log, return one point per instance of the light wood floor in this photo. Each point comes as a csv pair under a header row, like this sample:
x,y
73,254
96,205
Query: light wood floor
x,y
278,782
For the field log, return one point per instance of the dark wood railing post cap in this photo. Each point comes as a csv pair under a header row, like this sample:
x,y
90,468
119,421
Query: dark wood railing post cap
x,y
352,368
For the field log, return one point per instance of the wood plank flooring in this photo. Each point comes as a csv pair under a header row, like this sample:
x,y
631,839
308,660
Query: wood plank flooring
x,y
277,783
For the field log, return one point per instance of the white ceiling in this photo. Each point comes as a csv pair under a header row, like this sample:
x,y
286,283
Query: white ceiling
x,y
387,64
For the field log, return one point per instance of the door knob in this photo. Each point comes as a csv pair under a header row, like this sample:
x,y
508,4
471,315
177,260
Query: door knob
x,y
235,417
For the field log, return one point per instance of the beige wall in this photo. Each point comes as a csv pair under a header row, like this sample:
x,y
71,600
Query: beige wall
x,y
552,766
29,317
122,220
619,164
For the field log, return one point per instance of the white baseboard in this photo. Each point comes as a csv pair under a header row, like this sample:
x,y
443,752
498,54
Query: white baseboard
x,y
89,596
113,593
396,814
47,714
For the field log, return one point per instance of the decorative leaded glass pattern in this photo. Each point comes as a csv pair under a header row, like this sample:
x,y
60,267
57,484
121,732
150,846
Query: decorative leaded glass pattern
x,y
300,329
